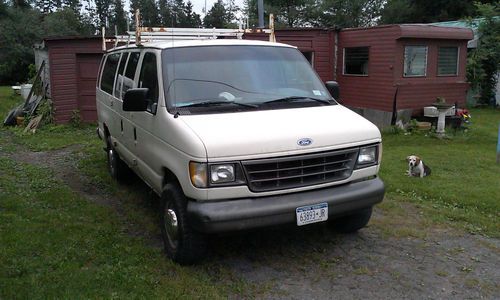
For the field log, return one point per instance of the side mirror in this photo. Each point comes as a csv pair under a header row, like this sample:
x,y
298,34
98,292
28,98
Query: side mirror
x,y
333,88
135,100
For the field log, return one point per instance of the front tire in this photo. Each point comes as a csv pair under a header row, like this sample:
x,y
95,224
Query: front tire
x,y
353,222
182,243
117,168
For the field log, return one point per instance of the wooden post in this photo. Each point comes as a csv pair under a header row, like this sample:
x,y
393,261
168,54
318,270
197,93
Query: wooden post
x,y
498,145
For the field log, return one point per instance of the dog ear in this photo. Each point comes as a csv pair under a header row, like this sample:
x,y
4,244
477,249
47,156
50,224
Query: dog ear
x,y
408,158
417,160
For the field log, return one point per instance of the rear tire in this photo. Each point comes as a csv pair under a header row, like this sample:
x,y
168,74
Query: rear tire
x,y
353,222
182,243
117,168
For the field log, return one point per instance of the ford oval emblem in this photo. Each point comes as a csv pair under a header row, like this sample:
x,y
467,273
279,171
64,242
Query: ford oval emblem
x,y
304,142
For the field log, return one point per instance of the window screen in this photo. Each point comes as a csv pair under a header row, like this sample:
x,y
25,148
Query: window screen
x,y
415,61
149,77
108,73
356,61
447,60
119,78
128,78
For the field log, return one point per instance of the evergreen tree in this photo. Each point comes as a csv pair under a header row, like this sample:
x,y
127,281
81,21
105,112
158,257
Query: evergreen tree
x,y
118,17
149,13
178,13
74,5
221,15
102,11
356,13
48,6
424,11
192,19
216,16
165,11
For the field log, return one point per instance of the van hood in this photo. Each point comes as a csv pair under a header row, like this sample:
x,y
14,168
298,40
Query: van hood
x,y
265,133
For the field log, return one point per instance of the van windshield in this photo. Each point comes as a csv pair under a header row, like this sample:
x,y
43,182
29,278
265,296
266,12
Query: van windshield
x,y
233,78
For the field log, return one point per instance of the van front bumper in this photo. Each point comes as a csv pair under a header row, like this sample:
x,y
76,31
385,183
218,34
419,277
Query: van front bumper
x,y
249,213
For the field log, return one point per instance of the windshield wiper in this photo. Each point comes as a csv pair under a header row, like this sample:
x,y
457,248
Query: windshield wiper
x,y
215,103
296,98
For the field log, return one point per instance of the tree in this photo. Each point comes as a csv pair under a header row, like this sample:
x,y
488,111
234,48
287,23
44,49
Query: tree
x,y
483,63
102,10
221,15
165,11
287,13
48,6
192,19
66,22
118,17
216,16
425,11
355,13
20,29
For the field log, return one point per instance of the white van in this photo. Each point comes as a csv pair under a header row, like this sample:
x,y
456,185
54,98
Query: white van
x,y
235,135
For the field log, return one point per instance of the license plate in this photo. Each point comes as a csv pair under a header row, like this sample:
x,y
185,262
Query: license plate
x,y
312,214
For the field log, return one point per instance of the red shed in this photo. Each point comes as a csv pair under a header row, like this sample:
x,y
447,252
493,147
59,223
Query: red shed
x,y
402,66
74,63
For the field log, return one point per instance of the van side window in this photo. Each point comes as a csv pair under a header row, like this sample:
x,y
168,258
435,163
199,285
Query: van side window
x,y
108,73
149,78
119,76
128,79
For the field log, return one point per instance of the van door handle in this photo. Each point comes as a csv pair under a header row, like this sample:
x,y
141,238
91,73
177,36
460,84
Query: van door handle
x,y
111,103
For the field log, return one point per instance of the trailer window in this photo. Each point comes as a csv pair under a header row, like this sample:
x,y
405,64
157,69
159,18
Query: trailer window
x,y
448,61
415,63
356,60
108,73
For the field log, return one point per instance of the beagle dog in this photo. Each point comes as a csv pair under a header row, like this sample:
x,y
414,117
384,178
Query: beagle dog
x,y
416,167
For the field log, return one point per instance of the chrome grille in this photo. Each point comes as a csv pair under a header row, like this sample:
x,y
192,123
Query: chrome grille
x,y
299,170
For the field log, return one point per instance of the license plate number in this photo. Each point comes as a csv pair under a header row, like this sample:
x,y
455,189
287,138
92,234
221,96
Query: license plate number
x,y
312,214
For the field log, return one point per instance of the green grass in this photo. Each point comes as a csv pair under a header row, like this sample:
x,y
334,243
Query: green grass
x,y
464,187
55,244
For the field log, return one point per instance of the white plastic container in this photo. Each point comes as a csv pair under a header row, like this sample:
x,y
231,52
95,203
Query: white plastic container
x,y
25,90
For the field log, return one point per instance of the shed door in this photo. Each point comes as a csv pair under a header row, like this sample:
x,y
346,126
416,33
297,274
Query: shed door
x,y
87,69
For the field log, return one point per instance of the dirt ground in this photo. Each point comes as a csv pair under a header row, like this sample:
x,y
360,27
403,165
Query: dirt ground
x,y
315,263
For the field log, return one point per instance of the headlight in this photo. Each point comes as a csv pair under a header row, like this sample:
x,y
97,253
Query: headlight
x,y
222,173
367,156
205,175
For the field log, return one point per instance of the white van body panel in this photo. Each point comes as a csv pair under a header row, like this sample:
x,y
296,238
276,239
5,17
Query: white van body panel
x,y
269,133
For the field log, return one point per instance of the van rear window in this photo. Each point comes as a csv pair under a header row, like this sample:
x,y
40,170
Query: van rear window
x,y
108,73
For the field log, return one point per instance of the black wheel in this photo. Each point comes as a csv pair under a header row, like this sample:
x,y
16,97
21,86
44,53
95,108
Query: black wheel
x,y
353,222
182,244
118,169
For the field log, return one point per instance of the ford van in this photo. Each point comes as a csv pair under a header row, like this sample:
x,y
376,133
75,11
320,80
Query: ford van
x,y
235,135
